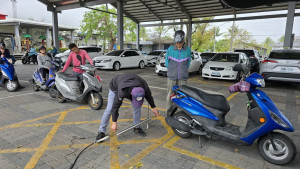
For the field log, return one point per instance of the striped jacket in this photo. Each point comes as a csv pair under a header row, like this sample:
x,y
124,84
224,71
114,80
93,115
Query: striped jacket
x,y
178,63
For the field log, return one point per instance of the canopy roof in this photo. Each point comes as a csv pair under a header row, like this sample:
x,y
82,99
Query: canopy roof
x,y
159,10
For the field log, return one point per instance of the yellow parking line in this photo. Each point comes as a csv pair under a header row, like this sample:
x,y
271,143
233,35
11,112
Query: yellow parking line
x,y
170,146
114,152
40,151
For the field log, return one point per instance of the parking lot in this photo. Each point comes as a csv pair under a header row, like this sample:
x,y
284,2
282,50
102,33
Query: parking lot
x,y
39,132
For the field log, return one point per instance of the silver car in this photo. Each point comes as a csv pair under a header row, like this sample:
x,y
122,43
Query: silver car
x,y
282,65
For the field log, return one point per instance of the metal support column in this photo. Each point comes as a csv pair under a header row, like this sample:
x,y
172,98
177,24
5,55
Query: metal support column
x,y
72,36
189,34
120,25
17,39
137,36
48,38
232,32
55,29
289,25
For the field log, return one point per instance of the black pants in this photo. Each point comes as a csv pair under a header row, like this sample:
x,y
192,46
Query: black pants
x,y
44,72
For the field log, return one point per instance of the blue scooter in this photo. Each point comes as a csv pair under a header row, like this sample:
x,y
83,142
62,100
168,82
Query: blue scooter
x,y
8,76
203,113
37,81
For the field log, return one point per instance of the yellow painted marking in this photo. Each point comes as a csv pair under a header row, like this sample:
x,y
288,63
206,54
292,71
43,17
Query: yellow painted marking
x,y
114,152
17,150
232,95
38,154
150,148
170,146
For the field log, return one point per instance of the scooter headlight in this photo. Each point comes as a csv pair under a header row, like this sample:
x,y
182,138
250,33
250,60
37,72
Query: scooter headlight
x,y
278,120
261,82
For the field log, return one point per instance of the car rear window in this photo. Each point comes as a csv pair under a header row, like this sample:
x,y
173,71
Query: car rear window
x,y
156,53
247,52
285,55
222,57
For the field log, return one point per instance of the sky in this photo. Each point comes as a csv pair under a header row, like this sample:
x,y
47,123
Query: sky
x,y
260,29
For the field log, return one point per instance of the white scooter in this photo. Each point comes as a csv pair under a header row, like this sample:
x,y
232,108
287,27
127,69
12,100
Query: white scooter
x,y
69,87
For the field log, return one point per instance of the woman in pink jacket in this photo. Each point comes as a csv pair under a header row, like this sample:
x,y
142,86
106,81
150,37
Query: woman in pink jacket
x,y
77,57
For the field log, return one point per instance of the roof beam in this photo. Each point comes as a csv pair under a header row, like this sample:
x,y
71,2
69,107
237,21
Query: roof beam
x,y
45,2
221,20
182,8
83,4
166,4
126,14
150,10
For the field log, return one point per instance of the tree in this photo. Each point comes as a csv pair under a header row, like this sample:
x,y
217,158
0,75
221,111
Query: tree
x,y
281,39
103,24
268,42
161,30
131,32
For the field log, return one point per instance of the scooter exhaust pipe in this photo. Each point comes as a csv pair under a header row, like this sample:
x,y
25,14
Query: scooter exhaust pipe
x,y
171,121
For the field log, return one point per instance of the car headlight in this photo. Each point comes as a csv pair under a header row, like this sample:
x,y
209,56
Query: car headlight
x,y
206,67
261,82
278,120
106,61
229,68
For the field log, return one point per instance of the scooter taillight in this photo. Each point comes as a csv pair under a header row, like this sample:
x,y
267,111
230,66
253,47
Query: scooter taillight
x,y
99,78
172,96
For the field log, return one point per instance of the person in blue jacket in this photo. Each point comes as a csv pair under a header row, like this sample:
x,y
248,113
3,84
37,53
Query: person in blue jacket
x,y
178,59
54,51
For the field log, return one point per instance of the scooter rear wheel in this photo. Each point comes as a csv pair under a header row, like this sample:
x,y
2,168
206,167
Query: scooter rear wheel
x,y
98,101
182,117
60,98
53,91
24,61
286,149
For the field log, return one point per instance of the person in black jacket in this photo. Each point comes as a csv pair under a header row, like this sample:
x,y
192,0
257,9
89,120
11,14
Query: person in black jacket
x,y
129,86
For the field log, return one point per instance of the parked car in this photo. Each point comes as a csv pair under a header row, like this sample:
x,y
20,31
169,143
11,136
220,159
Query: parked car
x,y
154,56
195,66
91,50
220,66
121,59
282,65
255,58
206,56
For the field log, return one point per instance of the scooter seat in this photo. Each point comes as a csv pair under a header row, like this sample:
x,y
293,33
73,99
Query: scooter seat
x,y
67,77
212,100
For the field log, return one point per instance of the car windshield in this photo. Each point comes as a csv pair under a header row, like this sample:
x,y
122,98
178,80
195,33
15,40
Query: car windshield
x,y
115,53
155,53
207,55
222,57
285,55
247,52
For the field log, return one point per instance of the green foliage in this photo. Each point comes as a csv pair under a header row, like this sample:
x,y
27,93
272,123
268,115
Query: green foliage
x,y
104,25
268,42
281,39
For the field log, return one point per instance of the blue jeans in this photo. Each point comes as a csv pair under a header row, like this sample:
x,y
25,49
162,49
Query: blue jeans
x,y
107,113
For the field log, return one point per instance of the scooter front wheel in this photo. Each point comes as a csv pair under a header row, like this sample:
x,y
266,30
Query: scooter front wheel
x,y
11,85
53,91
95,100
184,118
24,61
286,149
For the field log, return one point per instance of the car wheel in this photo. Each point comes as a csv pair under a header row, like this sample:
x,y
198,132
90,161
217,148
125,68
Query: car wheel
x,y
116,66
200,70
205,78
141,64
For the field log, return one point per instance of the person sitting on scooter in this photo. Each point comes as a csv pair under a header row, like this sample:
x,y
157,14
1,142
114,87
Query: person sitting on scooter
x,y
32,51
4,52
44,62
77,57
132,87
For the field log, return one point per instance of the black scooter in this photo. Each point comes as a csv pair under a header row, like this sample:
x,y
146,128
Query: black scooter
x,y
27,59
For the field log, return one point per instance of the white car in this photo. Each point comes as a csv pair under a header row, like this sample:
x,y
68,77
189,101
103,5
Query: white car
x,y
154,56
282,65
195,66
220,66
121,59
91,50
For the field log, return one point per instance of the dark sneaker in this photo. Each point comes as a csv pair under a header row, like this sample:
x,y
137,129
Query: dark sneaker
x,y
139,131
100,136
